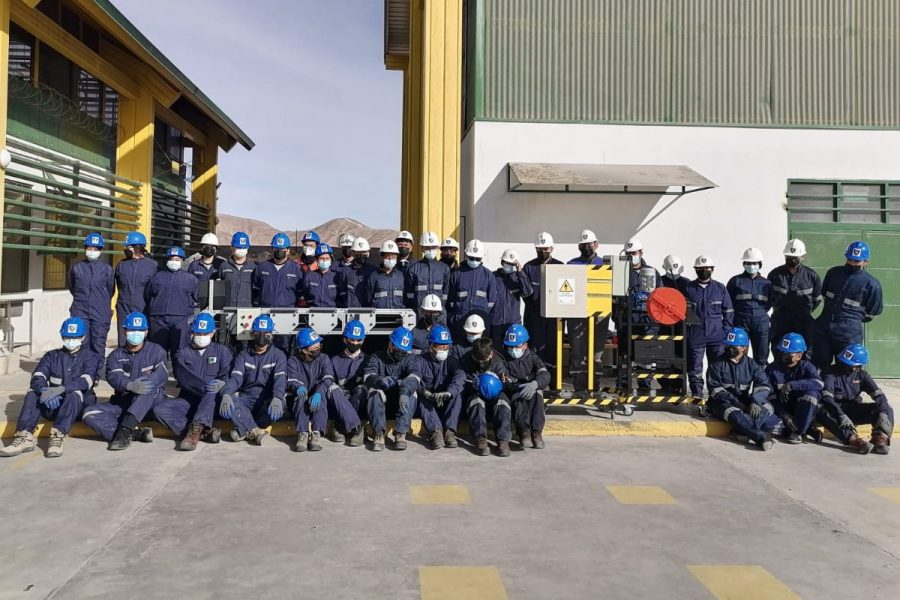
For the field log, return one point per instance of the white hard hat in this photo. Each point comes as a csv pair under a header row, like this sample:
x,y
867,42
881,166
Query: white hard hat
x,y
475,249
210,238
588,237
389,247
360,244
633,245
450,243
672,264
346,240
752,255
431,302
795,248
405,235
510,256
429,239
703,261
474,324
544,240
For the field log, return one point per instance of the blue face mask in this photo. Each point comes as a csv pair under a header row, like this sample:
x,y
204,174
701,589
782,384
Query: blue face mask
x,y
472,337
135,338
516,352
508,268
473,264
751,269
324,265
72,344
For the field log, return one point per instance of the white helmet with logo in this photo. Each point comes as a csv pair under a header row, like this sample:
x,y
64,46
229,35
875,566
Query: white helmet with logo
x,y
360,244
405,235
346,240
752,255
450,243
633,245
475,249
210,239
544,240
389,247
703,261
432,302
429,239
474,324
588,237
795,248
672,264
510,256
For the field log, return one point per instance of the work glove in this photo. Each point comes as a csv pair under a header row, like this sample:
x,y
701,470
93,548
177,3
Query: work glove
x,y
302,393
314,401
755,410
784,393
226,409
440,398
215,386
50,393
528,389
140,386
276,409
389,382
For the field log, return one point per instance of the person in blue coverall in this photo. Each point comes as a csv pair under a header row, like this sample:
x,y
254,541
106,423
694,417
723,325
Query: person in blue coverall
x,y
796,293
709,301
132,276
237,272
440,390
348,374
796,390
392,381
171,297
751,296
427,275
320,286
471,288
92,284
541,329
513,286
278,283
579,353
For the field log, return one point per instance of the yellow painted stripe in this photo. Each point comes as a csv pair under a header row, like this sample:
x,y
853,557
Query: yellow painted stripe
x,y
741,582
439,494
461,583
640,494
24,461
889,493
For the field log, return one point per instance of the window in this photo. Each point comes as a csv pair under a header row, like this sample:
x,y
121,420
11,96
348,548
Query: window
x,y
15,260
56,269
21,53
56,71
861,202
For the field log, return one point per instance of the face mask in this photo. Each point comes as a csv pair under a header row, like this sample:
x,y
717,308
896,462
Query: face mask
x,y
509,268
856,268
240,253
92,255
311,354
352,347
787,359
516,352
308,251
704,274
792,261
430,254
473,264
361,259
389,263
129,253
404,251
586,250
472,337
279,254
394,353
751,269
450,261
324,265
635,260
262,339
543,255
202,341
732,351
431,318
135,338
72,344
208,251
173,265
347,253
442,355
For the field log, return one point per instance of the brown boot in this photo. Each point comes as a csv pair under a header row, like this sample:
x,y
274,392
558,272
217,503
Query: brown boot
x,y
192,439
881,443
503,448
399,441
859,444
378,442
437,439
481,446
537,440
450,439
211,435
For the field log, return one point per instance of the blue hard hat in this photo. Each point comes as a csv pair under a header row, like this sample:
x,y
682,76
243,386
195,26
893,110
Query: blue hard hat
x,y
135,238
240,240
323,249
307,337
854,355
136,321
737,337
204,324
857,251
310,236
93,240
516,335
792,342
281,240
489,386
175,251
73,327
402,338
355,330
263,323
440,335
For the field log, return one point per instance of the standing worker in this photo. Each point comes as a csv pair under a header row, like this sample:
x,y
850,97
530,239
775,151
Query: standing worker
x,y
673,268
471,289
206,267
751,295
431,314
171,299
852,297
132,276
92,284
513,287
237,272
351,279
278,282
542,330
578,328
346,259
308,244
796,293
428,275
319,287
710,302
404,243
634,250
384,288
449,250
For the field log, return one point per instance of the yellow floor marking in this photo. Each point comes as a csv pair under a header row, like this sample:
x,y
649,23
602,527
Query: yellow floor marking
x,y
641,494
891,493
741,582
23,461
439,494
461,583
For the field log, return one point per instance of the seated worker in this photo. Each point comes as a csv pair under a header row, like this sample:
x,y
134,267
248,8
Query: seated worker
x,y
796,389
137,373
528,377
319,286
201,369
61,386
390,376
171,297
348,372
739,392
311,382
479,360
431,313
253,397
845,381
440,393
474,329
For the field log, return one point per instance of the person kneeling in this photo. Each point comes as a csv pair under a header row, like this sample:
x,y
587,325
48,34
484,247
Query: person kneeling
x,y
485,396
528,377
439,395
796,389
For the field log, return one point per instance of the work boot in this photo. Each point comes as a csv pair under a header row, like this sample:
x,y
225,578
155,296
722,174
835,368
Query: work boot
x,y
356,437
792,437
859,444
211,435
302,442
55,449
739,438
122,439
522,436
399,441
192,439
880,442
437,439
537,440
23,442
503,448
481,446
336,436
236,436
766,442
378,442
450,439
143,434
257,435
315,442
815,435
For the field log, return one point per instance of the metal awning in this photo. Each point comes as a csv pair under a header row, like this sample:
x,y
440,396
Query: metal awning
x,y
606,179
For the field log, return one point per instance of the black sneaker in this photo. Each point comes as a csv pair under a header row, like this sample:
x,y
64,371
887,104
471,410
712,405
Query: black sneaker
x,y
815,435
792,437
121,440
143,434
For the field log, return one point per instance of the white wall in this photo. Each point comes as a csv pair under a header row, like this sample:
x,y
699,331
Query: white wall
x,y
751,167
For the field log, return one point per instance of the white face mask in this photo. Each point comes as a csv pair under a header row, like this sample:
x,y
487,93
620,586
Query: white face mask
x,y
635,260
516,352
240,253
173,265
390,263
472,336
308,251
72,344
442,355
508,268
202,341
92,255
431,253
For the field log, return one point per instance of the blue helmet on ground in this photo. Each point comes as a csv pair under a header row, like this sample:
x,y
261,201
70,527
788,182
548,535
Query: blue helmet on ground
x,y
323,249
737,337
355,330
203,324
93,240
310,236
136,321
854,355
175,251
263,324
135,238
307,337
402,338
516,335
281,241
857,251
440,335
73,327
489,386
791,343
240,240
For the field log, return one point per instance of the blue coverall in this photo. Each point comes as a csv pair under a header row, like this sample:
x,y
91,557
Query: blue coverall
x,y
320,289
511,289
528,411
317,377
423,277
238,282
351,284
678,283
92,284
277,286
844,405
438,376
171,299
479,410
77,372
852,297
793,298
470,290
132,277
348,373
732,388
391,379
798,409
711,303
204,272
256,379
751,298
383,290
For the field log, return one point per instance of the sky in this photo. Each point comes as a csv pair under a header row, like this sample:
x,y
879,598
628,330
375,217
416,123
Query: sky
x,y
305,79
